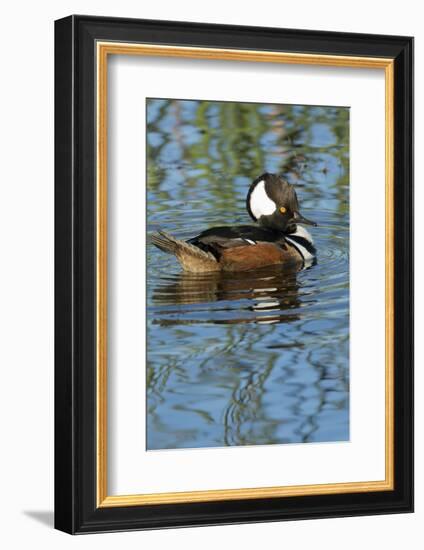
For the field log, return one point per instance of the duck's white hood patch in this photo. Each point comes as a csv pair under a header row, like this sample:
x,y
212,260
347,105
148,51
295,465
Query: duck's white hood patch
x,y
260,204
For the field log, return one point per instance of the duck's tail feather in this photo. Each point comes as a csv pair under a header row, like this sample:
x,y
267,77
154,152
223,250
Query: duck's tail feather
x,y
191,257
164,241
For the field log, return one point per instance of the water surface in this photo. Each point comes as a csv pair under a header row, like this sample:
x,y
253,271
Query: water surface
x,y
259,357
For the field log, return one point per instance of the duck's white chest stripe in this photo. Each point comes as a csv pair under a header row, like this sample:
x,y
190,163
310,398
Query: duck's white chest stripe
x,y
303,251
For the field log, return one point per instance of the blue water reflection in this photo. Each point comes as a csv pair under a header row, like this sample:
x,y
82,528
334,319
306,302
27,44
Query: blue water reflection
x,y
260,357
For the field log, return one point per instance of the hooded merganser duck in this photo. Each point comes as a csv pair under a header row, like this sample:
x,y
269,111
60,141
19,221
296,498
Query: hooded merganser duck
x,y
276,239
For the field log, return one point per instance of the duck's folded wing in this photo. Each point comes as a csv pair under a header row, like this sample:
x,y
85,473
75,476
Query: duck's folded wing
x,y
218,238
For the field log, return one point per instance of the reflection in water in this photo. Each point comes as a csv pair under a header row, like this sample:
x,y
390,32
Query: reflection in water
x,y
257,357
269,293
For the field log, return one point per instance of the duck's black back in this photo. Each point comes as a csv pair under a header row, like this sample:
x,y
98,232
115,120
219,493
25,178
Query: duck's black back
x,y
217,238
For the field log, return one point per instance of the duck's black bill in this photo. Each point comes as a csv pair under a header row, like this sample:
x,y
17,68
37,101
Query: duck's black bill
x,y
298,218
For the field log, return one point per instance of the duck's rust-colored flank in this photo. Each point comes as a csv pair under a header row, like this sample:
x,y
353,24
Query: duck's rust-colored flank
x,y
245,258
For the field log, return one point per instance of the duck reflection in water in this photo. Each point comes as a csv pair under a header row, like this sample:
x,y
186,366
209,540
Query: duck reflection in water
x,y
271,295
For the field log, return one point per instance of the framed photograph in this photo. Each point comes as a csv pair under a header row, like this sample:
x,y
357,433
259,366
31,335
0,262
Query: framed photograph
x,y
234,267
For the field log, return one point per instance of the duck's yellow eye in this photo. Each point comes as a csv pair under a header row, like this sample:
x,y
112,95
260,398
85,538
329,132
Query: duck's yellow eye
x,y
283,210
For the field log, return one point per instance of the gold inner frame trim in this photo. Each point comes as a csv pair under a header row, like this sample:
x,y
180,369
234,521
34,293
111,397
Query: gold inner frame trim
x,y
103,50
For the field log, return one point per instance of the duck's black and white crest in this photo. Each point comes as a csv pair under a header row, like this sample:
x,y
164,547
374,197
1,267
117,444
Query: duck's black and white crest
x,y
267,193
258,202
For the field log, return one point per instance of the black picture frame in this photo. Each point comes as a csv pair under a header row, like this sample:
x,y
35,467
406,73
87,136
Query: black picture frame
x,y
76,509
